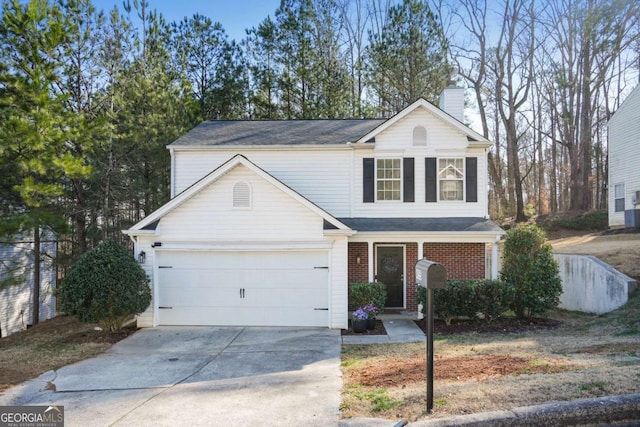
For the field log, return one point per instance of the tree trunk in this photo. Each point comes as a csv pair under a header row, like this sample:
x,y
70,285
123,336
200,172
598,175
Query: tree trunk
x,y
553,178
36,277
586,121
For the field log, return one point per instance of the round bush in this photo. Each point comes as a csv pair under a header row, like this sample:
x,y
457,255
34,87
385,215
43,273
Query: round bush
x,y
528,266
106,285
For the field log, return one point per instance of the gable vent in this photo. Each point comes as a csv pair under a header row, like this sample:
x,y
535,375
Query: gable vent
x,y
241,195
419,136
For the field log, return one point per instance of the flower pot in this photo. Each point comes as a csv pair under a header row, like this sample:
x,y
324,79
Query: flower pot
x,y
359,326
371,323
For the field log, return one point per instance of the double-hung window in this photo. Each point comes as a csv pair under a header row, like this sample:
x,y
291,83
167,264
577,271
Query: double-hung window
x,y
388,179
451,179
619,197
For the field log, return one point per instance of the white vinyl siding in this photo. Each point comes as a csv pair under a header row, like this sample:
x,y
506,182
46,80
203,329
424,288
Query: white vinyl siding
x,y
16,301
332,178
624,156
210,214
322,176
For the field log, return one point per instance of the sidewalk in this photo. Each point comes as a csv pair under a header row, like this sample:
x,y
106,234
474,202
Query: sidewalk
x,y
401,328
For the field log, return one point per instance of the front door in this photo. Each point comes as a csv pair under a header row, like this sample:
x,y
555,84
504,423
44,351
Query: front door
x,y
390,271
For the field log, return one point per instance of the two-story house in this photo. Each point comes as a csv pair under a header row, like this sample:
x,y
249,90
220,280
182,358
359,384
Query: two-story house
x,y
270,221
624,157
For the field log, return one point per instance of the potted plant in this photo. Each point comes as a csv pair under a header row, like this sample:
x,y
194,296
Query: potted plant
x,y
372,311
359,320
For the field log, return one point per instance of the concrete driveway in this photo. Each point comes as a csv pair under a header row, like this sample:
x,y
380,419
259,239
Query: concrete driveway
x,y
199,376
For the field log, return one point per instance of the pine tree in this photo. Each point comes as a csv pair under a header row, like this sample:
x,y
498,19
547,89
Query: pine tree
x,y
407,57
214,65
35,125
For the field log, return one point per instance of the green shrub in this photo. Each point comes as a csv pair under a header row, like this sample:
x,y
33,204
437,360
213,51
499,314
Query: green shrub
x,y
528,266
469,298
365,293
492,298
106,285
456,300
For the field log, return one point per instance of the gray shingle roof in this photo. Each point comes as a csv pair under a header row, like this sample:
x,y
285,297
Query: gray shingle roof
x,y
277,132
420,224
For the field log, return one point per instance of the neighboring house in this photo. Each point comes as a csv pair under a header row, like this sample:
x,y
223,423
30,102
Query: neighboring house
x,y
16,283
624,163
270,220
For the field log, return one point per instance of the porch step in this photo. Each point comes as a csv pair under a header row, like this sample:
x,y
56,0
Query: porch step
x,y
400,329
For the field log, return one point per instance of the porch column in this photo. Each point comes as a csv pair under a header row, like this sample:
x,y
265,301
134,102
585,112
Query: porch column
x,y
421,249
370,260
494,260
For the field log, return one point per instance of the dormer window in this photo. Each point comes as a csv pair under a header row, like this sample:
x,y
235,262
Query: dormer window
x,y
242,195
419,136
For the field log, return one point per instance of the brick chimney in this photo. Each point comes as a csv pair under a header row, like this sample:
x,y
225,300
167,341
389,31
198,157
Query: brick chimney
x,y
452,101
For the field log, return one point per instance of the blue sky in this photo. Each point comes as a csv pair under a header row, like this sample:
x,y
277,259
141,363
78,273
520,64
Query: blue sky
x,y
234,15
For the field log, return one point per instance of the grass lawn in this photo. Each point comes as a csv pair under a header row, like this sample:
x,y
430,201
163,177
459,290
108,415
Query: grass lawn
x,y
50,345
586,356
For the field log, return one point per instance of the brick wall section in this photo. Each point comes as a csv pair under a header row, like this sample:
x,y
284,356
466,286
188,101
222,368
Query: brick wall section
x,y
412,258
461,260
358,272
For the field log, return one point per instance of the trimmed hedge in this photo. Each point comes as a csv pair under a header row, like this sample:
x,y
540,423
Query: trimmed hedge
x,y
488,299
365,293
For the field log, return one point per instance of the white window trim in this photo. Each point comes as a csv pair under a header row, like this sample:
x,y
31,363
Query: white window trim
x,y
463,179
375,173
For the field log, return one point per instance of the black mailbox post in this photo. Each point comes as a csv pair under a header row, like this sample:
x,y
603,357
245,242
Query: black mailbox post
x,y
430,275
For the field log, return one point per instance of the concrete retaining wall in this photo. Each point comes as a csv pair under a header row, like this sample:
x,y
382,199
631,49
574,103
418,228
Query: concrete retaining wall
x,y
590,285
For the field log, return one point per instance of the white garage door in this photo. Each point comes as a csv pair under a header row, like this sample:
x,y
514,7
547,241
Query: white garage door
x,y
243,288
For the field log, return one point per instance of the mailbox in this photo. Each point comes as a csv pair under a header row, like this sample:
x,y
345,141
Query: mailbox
x,y
431,275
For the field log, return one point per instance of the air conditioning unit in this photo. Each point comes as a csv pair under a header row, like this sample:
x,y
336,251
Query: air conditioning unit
x,y
632,218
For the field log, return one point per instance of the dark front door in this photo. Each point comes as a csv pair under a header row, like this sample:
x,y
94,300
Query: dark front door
x,y
390,271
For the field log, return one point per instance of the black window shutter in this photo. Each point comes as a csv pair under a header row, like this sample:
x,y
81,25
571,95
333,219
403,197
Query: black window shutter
x,y
431,173
408,179
368,180
471,179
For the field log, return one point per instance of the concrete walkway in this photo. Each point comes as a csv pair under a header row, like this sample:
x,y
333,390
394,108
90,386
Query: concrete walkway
x,y
401,328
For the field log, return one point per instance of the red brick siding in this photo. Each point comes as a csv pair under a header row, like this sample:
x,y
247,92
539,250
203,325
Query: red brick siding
x,y
358,272
412,258
461,260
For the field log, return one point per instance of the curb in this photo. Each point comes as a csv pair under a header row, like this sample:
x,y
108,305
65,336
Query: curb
x,y
583,412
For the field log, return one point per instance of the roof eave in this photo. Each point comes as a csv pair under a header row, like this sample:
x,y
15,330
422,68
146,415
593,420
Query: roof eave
x,y
342,146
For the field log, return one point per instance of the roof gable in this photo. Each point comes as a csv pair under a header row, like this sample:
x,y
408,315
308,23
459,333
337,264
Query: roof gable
x,y
474,138
146,225
631,100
